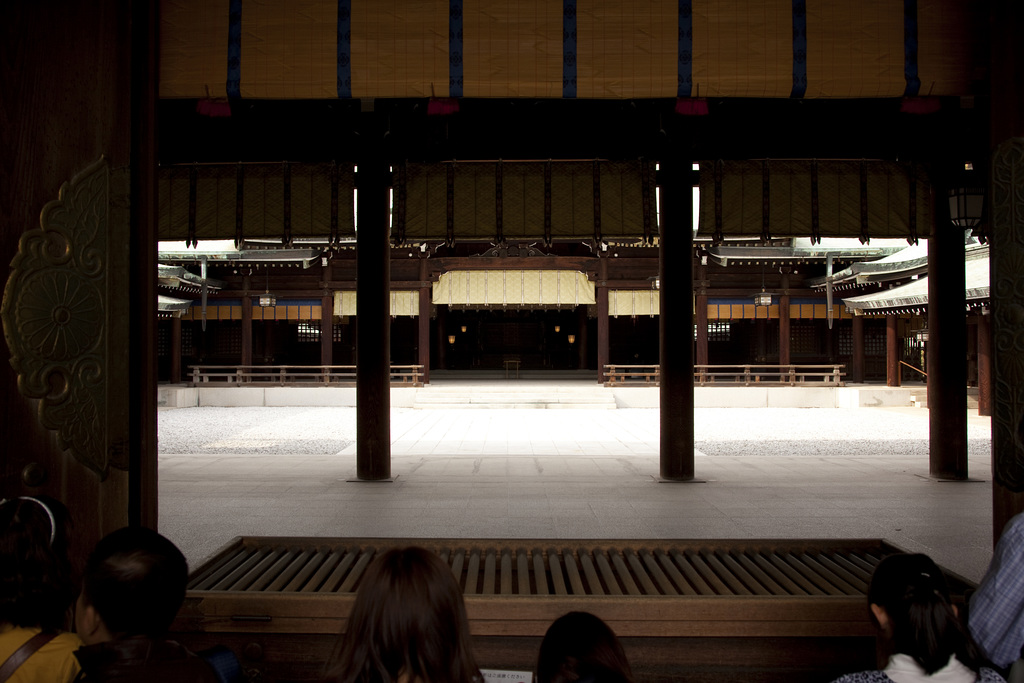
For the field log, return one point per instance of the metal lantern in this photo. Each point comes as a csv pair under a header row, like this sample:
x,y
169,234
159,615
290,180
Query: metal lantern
x,y
966,200
763,299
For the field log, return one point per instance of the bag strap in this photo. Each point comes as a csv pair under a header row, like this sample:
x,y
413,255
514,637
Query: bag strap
x,y
24,652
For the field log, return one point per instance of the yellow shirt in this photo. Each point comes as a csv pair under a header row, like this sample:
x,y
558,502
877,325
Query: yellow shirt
x,y
52,663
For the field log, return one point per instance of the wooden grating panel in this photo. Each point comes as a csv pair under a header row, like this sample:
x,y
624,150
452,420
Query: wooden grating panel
x,y
557,568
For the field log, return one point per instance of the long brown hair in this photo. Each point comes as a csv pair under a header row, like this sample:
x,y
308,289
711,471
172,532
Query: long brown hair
x,y
408,620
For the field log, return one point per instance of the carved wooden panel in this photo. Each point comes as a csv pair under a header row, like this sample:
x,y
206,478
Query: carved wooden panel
x,y
1007,288
65,316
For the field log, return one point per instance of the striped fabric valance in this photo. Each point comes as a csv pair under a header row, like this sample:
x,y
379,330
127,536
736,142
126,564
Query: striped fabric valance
x,y
403,302
639,302
514,288
282,311
314,49
741,310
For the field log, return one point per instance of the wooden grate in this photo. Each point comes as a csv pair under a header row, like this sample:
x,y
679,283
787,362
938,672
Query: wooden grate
x,y
589,568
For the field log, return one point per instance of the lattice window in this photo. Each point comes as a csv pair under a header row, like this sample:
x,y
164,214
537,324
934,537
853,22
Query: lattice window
x,y
308,331
803,337
228,340
874,342
719,331
163,340
845,341
186,340
338,333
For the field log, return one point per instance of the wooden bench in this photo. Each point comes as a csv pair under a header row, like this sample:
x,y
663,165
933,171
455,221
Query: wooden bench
x,y
694,610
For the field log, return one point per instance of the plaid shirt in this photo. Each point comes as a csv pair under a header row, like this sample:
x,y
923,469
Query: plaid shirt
x,y
997,608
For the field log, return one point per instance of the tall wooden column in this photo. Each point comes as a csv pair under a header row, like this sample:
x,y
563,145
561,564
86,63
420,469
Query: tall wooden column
x,y
784,320
892,351
327,328
857,360
423,332
373,324
984,363
947,349
675,265
246,324
602,320
581,337
701,315
175,350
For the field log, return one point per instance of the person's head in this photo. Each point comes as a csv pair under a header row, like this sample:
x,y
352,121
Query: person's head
x,y
133,585
909,600
580,647
408,624
36,588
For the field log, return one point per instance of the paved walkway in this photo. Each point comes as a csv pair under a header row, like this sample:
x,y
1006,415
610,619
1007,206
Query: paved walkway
x,y
769,473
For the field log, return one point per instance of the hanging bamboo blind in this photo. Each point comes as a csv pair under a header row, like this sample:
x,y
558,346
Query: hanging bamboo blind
x,y
811,198
618,50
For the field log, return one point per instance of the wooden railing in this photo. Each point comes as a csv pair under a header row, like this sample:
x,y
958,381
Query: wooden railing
x,y
296,375
746,375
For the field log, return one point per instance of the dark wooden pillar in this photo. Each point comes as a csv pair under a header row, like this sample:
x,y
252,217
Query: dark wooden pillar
x,y
947,350
327,328
175,350
373,325
675,265
602,332
246,324
984,363
784,320
423,333
441,337
857,361
602,320
701,315
143,207
581,336
892,351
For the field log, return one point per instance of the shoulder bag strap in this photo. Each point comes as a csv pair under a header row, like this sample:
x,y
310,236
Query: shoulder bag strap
x,y
24,652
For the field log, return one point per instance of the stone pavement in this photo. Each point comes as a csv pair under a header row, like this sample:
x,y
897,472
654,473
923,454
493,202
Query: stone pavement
x,y
586,474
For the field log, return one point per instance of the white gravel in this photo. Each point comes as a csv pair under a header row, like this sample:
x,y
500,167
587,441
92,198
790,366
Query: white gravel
x,y
717,431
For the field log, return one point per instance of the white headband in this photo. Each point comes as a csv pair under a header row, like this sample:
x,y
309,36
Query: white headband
x,y
49,513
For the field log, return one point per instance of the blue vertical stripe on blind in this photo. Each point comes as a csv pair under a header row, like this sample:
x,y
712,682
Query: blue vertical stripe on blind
x,y
910,48
234,83
685,88
799,48
569,48
455,48
344,48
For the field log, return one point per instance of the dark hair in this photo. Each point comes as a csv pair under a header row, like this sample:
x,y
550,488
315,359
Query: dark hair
x,y
581,647
135,579
408,618
913,592
36,588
